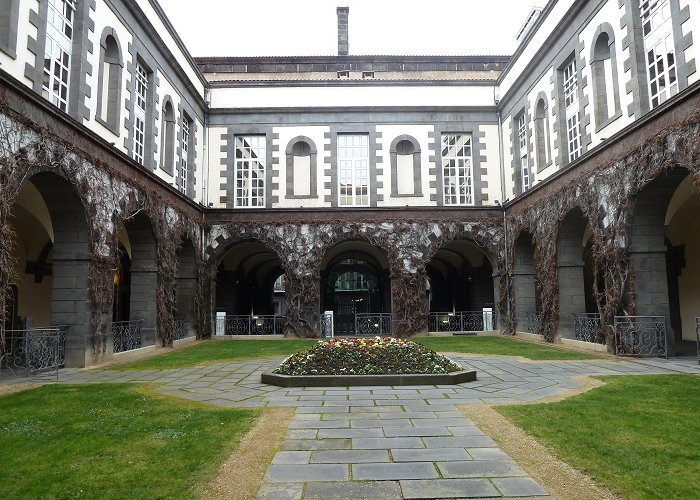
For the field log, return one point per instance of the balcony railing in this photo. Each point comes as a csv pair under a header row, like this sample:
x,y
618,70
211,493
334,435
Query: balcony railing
x,y
378,324
34,350
127,335
530,322
641,336
250,325
587,328
463,321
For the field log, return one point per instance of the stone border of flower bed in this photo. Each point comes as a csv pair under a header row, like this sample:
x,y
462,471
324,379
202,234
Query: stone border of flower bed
x,y
366,380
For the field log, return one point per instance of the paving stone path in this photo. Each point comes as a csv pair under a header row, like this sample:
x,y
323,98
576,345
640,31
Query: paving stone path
x,y
384,442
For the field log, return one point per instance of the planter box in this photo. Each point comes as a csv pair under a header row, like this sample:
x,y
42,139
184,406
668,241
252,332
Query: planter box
x,y
367,380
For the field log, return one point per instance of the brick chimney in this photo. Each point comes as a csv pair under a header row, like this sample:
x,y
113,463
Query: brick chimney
x,y
343,44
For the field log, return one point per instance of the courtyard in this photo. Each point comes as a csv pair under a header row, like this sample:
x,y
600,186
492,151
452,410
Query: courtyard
x,y
539,422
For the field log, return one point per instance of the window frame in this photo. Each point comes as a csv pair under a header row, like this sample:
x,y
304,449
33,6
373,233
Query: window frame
x,y
358,168
450,191
243,165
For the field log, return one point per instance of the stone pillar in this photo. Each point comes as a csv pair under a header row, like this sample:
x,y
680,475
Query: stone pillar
x,y
524,292
302,295
572,292
144,277
186,288
409,304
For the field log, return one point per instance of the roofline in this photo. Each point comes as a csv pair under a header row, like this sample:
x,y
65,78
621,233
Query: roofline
x,y
353,58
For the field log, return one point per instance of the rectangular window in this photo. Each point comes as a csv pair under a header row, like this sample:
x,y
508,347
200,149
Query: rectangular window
x,y
353,170
660,51
140,100
250,170
185,153
522,148
57,53
457,169
571,104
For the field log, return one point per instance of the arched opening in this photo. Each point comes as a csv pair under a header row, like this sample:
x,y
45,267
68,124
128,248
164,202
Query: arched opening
x,y
186,291
52,266
605,93
578,312
136,280
683,263
110,82
461,288
526,296
355,286
245,296
543,155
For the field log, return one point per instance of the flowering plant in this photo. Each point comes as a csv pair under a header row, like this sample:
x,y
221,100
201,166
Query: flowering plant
x,y
366,356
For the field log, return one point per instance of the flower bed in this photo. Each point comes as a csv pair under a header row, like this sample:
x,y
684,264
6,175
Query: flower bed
x,y
374,356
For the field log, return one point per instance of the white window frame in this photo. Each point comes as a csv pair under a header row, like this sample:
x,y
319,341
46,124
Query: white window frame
x,y
457,172
140,104
184,154
58,52
522,148
353,170
659,50
250,170
571,104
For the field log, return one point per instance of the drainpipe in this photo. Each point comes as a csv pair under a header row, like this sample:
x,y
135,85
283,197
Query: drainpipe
x,y
502,204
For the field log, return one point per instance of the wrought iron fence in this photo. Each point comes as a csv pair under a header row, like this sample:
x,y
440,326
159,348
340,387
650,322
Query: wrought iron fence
x,y
530,322
587,328
327,330
697,337
373,324
180,328
34,350
641,336
250,325
463,321
127,335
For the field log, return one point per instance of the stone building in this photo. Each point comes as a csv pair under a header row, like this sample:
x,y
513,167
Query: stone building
x,y
555,187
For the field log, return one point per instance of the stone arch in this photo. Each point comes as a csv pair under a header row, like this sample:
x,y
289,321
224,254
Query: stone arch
x,y
68,263
570,262
654,260
355,280
526,302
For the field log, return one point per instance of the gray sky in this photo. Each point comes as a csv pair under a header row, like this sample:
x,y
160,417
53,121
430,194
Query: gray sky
x,y
308,27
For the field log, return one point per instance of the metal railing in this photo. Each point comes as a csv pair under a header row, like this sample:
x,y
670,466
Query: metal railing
x,y
697,337
180,328
327,329
587,328
462,321
34,350
373,324
127,335
641,336
530,322
250,325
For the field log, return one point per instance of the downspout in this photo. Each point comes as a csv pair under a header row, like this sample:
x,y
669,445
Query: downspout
x,y
501,204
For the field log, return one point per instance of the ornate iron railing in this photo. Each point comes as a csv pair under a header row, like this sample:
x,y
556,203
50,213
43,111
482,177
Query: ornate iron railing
x,y
462,321
697,337
327,329
127,335
180,328
250,325
530,322
373,324
34,350
641,336
587,328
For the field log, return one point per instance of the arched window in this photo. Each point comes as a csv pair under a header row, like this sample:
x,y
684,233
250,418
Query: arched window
x,y
110,81
605,93
405,166
301,168
9,15
168,142
542,134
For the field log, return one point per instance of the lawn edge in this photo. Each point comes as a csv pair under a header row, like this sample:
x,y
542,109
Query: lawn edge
x,y
242,474
559,478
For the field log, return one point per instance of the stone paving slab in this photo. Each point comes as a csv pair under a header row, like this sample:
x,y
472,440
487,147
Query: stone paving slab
x,y
394,471
448,488
365,490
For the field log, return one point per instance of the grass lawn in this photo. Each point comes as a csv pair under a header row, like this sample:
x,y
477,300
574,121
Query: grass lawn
x,y
220,350
499,345
638,436
111,441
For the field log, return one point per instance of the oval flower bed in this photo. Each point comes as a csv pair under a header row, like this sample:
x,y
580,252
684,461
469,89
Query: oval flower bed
x,y
373,361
